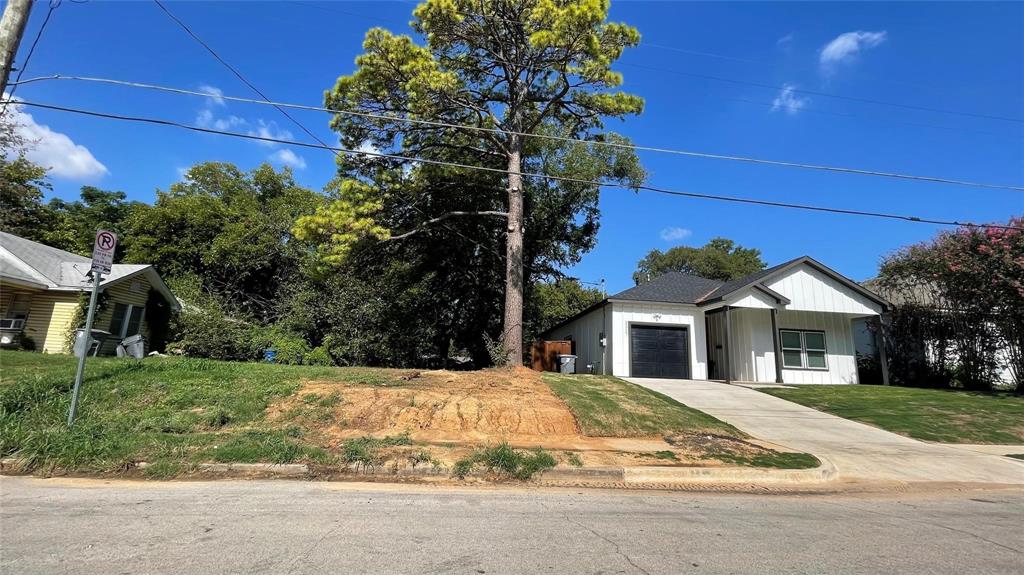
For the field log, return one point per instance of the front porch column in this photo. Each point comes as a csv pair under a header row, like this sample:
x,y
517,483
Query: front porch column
x,y
778,346
728,347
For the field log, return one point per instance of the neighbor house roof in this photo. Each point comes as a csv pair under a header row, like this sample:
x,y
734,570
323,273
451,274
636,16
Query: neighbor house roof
x,y
32,264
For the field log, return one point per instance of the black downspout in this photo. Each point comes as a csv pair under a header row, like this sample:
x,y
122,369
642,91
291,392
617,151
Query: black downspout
x,y
728,348
883,356
778,346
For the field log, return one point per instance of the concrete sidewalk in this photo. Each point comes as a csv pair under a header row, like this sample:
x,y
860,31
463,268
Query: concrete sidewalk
x,y
856,450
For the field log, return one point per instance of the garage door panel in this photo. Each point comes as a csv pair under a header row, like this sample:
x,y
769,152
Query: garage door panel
x,y
661,352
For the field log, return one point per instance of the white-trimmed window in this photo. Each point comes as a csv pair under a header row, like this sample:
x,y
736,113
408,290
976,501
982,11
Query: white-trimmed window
x,y
17,312
803,349
127,320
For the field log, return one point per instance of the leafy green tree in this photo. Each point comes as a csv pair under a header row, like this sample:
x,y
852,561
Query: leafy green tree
x,y
231,229
719,259
512,67
23,212
78,221
552,302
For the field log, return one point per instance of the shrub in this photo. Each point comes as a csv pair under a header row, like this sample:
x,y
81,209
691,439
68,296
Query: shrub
x,y
318,356
209,333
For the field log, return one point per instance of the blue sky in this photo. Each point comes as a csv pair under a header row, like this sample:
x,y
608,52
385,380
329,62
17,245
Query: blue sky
x,y
958,56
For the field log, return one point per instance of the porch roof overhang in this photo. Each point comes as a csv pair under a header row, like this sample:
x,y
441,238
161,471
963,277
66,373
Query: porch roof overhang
x,y
738,295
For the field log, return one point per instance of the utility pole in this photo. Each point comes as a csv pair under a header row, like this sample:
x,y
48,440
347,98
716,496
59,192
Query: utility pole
x,y
12,26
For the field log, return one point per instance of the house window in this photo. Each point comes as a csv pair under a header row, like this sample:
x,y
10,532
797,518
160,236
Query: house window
x,y
17,312
19,306
127,320
803,349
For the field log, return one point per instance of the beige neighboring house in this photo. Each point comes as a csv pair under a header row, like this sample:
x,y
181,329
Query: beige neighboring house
x,y
40,288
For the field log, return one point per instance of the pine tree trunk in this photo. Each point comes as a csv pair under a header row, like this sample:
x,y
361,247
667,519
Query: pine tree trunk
x,y
512,333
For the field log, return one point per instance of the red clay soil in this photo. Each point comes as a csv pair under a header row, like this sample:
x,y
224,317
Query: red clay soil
x,y
453,411
443,406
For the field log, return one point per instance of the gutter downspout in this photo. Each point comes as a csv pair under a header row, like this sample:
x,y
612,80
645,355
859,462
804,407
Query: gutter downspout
x,y
778,346
728,348
604,326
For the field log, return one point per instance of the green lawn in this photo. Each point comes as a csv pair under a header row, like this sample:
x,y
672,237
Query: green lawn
x,y
945,416
168,411
607,406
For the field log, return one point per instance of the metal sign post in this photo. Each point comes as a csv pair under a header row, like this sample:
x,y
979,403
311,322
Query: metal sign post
x,y
102,260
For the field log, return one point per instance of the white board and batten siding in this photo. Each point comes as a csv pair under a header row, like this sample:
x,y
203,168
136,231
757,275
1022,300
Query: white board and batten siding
x,y
586,332
753,356
818,302
811,290
626,314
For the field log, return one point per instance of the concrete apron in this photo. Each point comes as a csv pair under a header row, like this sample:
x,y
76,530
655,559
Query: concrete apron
x,y
857,451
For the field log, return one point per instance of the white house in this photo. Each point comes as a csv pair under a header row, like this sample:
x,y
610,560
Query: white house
x,y
787,324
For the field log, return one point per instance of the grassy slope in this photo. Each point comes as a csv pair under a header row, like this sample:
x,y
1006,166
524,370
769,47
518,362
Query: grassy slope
x,y
169,411
607,406
927,414
175,412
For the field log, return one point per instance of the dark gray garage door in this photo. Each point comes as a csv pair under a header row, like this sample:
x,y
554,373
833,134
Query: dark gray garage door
x,y
659,352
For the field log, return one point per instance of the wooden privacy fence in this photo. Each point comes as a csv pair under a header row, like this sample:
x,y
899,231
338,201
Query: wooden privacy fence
x,y
544,354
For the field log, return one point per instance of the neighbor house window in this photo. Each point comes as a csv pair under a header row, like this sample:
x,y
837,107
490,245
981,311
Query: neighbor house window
x,y
802,349
127,320
17,312
19,306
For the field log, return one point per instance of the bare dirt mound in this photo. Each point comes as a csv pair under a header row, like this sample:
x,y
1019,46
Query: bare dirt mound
x,y
439,405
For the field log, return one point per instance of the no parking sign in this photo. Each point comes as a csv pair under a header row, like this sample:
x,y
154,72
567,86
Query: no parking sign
x,y
103,251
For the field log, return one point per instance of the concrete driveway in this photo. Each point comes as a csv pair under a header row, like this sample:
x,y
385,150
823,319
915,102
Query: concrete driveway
x,y
858,451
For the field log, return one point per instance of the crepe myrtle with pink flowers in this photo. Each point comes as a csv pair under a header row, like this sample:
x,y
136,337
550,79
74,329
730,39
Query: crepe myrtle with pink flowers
x,y
974,278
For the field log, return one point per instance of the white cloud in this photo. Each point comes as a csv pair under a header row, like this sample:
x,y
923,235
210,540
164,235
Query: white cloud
x,y
269,129
207,119
845,47
785,42
672,234
54,150
788,100
367,146
289,158
213,91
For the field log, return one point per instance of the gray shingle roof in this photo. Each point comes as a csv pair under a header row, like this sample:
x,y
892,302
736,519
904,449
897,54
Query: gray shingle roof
x,y
45,260
60,269
672,287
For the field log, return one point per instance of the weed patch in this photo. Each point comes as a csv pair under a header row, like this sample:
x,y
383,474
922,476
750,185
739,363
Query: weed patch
x,y
505,462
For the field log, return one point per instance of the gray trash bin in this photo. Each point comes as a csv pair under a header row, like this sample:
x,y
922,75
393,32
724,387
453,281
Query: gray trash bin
x,y
91,345
134,346
566,363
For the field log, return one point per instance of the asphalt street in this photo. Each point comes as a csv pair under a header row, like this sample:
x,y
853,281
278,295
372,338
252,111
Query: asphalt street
x,y
96,526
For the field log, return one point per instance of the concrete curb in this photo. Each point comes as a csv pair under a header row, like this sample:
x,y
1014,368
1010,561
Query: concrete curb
x,y
627,476
276,469
729,475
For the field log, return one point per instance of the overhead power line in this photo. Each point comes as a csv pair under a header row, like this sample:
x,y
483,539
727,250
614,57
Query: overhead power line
x,y
636,147
654,189
823,94
54,4
235,71
708,76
